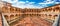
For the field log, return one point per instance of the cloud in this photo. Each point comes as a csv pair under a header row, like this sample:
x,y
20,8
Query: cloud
x,y
49,2
27,1
31,2
8,1
57,2
22,4
45,3
27,4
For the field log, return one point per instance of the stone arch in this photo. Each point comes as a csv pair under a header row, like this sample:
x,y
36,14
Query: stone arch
x,y
53,10
11,16
12,9
17,15
39,10
57,8
43,10
50,9
46,10
6,16
16,9
55,15
50,15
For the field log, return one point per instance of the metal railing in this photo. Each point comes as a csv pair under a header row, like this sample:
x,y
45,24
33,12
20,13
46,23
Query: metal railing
x,y
56,23
4,21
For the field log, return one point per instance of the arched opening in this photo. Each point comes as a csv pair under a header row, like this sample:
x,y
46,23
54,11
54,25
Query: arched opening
x,y
49,9
43,10
6,16
4,9
57,9
46,10
17,15
11,17
55,15
49,17
12,10
53,10
39,10
16,10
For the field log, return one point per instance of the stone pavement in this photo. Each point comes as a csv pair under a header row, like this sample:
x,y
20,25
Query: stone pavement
x,y
32,21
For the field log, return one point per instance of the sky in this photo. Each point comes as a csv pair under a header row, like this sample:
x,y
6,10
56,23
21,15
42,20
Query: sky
x,y
32,3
